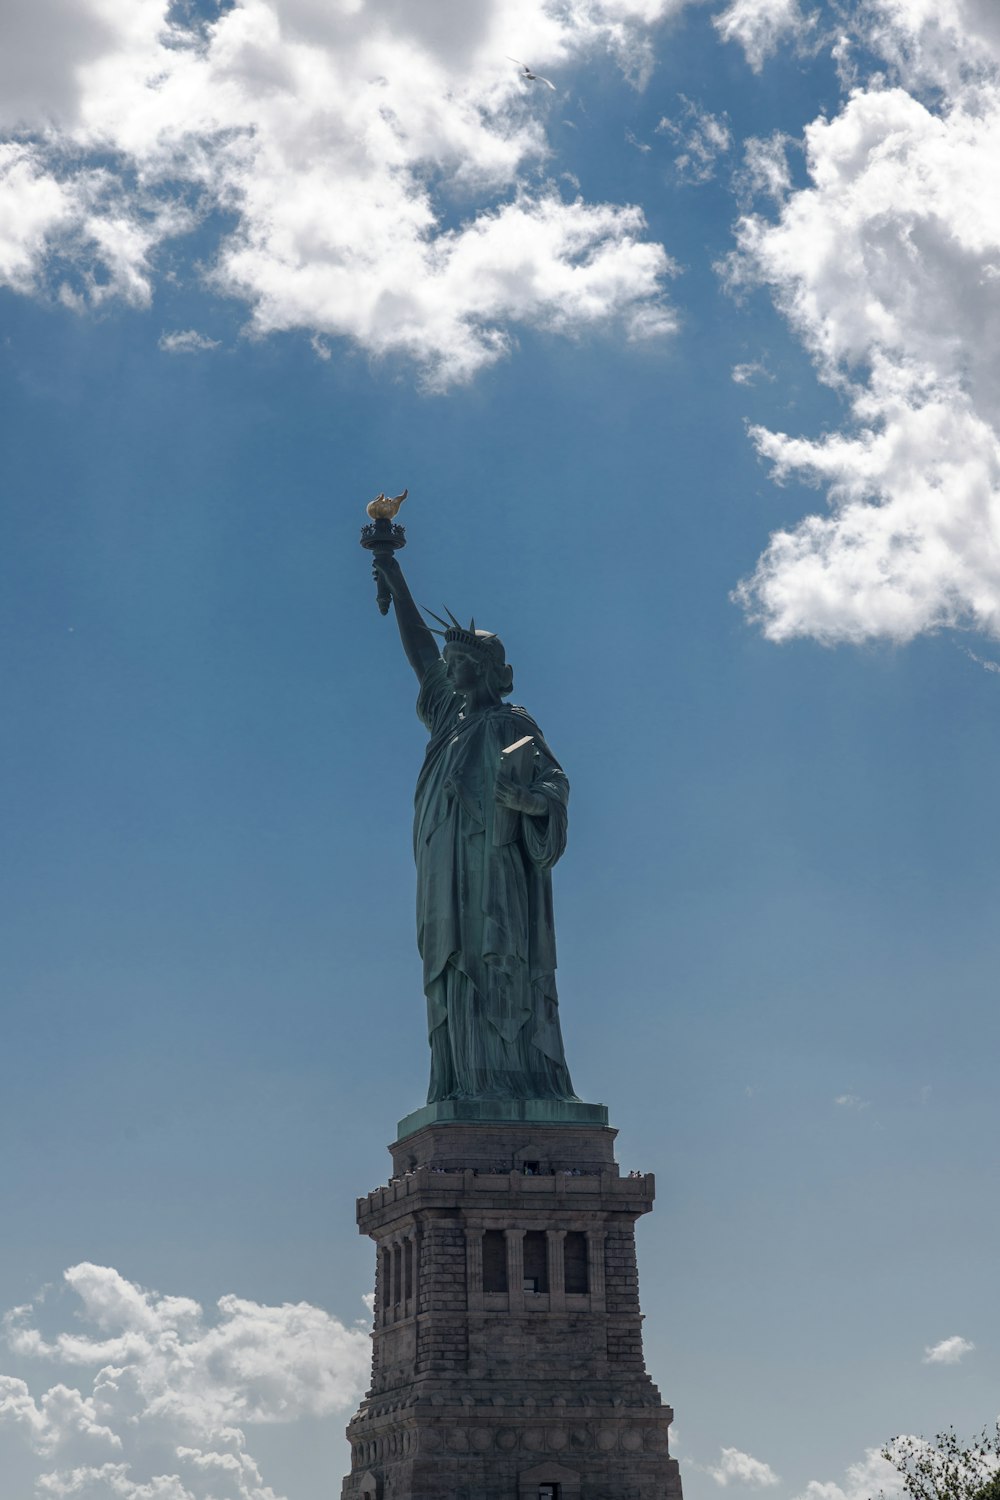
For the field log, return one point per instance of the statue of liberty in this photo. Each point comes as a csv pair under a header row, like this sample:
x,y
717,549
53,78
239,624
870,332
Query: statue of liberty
x,y
490,823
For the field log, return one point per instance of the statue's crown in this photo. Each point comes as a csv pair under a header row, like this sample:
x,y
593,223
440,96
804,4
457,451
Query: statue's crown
x,y
483,641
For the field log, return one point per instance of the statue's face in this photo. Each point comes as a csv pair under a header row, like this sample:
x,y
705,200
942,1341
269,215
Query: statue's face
x,y
464,669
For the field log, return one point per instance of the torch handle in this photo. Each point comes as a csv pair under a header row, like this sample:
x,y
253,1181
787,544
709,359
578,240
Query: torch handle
x,y
383,597
383,540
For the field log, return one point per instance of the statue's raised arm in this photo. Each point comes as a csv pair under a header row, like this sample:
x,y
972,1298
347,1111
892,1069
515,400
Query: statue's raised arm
x,y
418,640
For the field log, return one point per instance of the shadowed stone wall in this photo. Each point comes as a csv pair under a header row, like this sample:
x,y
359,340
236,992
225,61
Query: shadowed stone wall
x,y
524,1390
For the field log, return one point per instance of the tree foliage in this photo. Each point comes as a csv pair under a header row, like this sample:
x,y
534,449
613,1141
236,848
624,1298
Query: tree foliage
x,y
945,1468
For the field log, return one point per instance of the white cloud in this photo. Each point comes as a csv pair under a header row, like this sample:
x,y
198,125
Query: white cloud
x,y
89,1482
371,159
984,662
447,302
186,341
851,1101
33,208
701,138
62,1414
47,44
760,26
874,1475
750,372
85,235
764,171
910,1462
941,43
887,265
948,1352
736,1467
171,1389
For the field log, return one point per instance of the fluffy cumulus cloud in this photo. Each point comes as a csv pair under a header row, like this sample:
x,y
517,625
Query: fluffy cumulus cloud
x,y
887,264
941,1467
948,1351
874,1475
736,1467
943,43
369,160
171,1390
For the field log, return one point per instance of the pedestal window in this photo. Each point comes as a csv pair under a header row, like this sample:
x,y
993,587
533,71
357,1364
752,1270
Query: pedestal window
x,y
409,1255
536,1261
575,1262
494,1261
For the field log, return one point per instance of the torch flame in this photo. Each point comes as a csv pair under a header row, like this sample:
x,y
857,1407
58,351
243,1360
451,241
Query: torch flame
x,y
383,509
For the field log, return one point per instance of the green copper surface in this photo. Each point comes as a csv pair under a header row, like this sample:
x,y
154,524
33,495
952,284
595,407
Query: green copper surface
x,y
503,1111
488,828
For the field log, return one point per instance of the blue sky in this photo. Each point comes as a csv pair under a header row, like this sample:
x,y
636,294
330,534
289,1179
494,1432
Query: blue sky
x,y
689,365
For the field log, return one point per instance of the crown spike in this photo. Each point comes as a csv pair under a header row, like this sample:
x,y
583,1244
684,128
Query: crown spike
x,y
436,617
453,620
472,625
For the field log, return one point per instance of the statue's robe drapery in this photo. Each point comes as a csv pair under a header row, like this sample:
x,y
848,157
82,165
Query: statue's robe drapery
x,y
484,905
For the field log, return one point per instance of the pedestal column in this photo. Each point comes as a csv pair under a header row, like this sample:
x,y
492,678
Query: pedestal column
x,y
515,1269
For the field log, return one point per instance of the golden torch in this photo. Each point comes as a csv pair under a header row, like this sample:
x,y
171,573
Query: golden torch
x,y
382,537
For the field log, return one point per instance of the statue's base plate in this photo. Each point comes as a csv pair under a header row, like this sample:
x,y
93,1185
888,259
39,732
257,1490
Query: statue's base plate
x,y
504,1111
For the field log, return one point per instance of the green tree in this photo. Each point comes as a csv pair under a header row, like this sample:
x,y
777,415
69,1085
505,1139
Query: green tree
x,y
990,1490
945,1468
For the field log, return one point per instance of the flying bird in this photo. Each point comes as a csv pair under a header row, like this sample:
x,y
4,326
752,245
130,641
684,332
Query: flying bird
x,y
529,76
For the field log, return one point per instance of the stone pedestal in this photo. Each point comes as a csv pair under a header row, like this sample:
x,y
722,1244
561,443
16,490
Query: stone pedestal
x,y
507,1350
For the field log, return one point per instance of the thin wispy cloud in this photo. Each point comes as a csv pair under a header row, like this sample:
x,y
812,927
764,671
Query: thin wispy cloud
x,y
987,664
764,171
189,341
751,372
761,26
701,139
851,1101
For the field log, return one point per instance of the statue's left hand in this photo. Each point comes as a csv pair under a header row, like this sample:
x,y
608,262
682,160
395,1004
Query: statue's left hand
x,y
519,798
